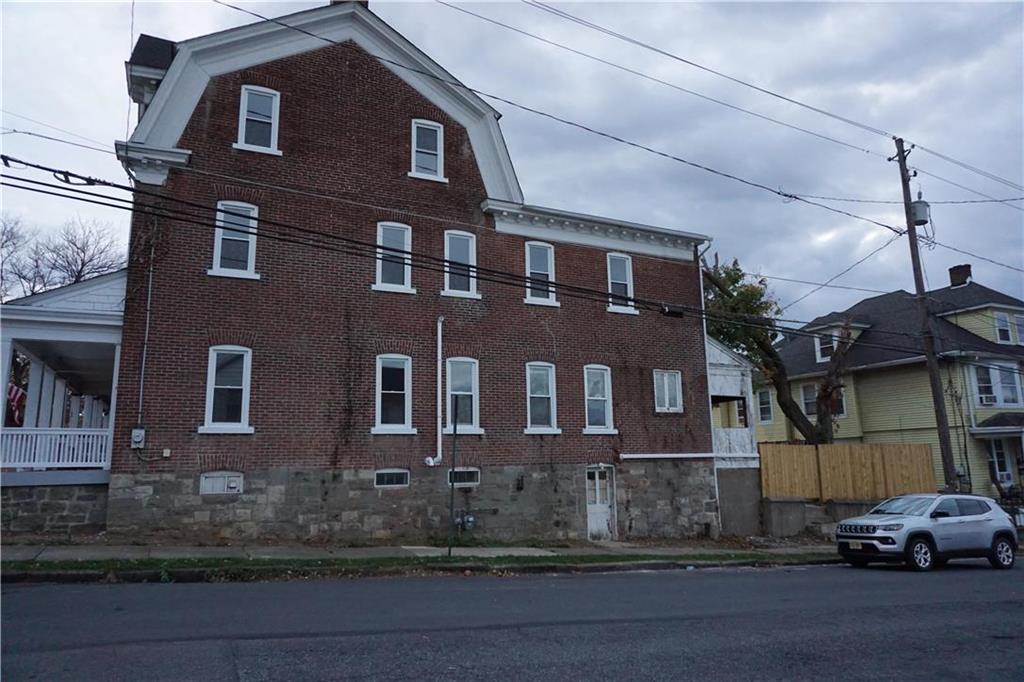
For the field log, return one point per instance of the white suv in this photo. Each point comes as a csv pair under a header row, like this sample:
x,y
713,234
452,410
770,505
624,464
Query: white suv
x,y
926,531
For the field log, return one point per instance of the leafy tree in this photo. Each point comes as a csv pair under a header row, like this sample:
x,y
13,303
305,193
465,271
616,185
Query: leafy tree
x,y
741,314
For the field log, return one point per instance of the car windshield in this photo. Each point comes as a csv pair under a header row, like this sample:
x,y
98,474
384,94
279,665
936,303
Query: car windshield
x,y
910,506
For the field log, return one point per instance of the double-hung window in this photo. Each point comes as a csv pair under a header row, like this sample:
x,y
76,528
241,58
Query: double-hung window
x,y
460,265
540,269
998,384
427,150
1000,462
1003,328
823,346
394,264
228,376
258,118
668,390
809,399
597,385
464,395
1018,322
620,284
394,394
234,241
541,413
765,413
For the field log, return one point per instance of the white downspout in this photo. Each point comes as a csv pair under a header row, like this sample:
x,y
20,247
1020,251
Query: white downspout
x,y
436,459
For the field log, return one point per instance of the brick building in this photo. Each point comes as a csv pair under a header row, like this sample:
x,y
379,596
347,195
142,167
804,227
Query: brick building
x,y
273,382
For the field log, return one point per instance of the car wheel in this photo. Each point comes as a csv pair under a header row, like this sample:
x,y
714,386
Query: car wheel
x,y
920,555
857,563
1002,555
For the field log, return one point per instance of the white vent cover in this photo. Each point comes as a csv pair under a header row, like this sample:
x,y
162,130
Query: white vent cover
x,y
221,483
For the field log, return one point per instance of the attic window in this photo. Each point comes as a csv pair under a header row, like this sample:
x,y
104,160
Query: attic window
x,y
258,118
427,151
823,346
1002,328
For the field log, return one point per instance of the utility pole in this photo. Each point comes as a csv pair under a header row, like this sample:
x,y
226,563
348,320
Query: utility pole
x,y
938,398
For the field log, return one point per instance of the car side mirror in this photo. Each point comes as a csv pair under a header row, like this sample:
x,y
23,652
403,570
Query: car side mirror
x,y
937,514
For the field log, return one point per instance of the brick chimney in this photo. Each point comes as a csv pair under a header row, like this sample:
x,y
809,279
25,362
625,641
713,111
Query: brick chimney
x,y
960,275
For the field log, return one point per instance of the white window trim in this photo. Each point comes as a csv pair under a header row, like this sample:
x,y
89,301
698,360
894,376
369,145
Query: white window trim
x,y
448,291
679,390
216,270
210,426
465,485
1018,325
589,430
551,300
395,429
391,486
817,346
998,319
1007,460
630,309
378,285
274,121
413,173
464,430
771,407
997,391
552,430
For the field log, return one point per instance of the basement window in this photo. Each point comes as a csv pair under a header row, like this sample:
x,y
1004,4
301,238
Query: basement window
x,y
221,483
391,478
465,477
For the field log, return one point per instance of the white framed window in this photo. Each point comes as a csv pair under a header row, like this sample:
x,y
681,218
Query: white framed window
x,y
597,387
228,378
540,270
460,268
997,452
1002,328
765,409
998,384
464,477
1018,322
463,385
809,399
391,478
541,399
394,395
258,119
427,150
668,390
823,347
234,241
620,284
394,268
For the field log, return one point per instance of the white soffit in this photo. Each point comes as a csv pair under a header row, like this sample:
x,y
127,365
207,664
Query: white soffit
x,y
199,59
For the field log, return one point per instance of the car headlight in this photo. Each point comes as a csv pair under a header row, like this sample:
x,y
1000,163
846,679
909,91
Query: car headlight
x,y
891,527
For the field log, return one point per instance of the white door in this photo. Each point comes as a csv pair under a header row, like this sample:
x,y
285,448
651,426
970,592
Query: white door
x,y
599,503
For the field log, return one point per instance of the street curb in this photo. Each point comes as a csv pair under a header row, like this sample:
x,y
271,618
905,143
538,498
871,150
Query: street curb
x,y
267,573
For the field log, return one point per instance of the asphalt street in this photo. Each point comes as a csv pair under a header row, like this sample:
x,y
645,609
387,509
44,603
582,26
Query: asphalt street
x,y
826,622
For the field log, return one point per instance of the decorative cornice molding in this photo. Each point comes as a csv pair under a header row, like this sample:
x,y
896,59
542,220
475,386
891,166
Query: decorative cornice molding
x,y
150,165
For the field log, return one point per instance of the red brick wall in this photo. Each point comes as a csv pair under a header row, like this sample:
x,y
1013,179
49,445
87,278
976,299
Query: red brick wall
x,y
315,326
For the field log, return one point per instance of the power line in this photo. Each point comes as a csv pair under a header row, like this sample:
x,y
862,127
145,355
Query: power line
x,y
895,201
918,169
571,123
655,79
57,139
53,127
538,4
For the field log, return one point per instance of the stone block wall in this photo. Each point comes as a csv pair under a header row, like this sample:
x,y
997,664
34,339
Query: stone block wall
x,y
512,504
53,509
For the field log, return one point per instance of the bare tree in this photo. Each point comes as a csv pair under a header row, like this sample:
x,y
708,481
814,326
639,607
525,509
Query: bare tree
x,y
12,241
81,250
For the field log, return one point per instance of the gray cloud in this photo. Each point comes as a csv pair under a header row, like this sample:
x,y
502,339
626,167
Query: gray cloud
x,y
947,75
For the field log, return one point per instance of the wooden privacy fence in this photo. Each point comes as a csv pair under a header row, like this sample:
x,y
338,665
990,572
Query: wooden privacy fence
x,y
846,472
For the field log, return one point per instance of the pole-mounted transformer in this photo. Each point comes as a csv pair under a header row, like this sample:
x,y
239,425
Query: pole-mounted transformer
x,y
920,211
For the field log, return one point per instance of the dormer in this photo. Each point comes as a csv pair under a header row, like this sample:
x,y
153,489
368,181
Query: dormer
x,y
827,337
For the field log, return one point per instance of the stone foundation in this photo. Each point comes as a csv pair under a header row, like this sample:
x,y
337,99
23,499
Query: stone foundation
x,y
53,509
666,499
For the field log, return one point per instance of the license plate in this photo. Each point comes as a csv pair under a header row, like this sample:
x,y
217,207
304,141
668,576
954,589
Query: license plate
x,y
855,545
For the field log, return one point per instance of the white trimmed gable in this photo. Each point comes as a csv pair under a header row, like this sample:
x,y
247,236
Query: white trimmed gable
x,y
153,145
729,374
103,294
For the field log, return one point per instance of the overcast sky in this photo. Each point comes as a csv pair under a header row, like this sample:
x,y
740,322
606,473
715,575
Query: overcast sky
x,y
948,76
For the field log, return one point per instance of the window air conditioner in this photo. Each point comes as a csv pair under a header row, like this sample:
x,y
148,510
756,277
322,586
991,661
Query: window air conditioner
x,y
988,400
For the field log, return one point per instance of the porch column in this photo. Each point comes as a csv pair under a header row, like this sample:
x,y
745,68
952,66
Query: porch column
x,y
87,411
7,349
113,405
60,393
74,411
35,386
46,398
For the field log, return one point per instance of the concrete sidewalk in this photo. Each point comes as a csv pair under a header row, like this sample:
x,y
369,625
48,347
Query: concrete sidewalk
x,y
120,552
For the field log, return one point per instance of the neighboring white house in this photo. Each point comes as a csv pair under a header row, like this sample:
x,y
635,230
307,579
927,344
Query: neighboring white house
x,y
730,383
71,337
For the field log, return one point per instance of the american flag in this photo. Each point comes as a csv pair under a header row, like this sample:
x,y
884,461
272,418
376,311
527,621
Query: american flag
x,y
16,404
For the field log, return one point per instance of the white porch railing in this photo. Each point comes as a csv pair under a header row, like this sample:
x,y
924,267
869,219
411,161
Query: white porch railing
x,y
733,441
55,448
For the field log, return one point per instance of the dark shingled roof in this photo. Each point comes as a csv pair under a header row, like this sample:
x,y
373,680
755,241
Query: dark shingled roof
x,y
894,321
1004,419
156,53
